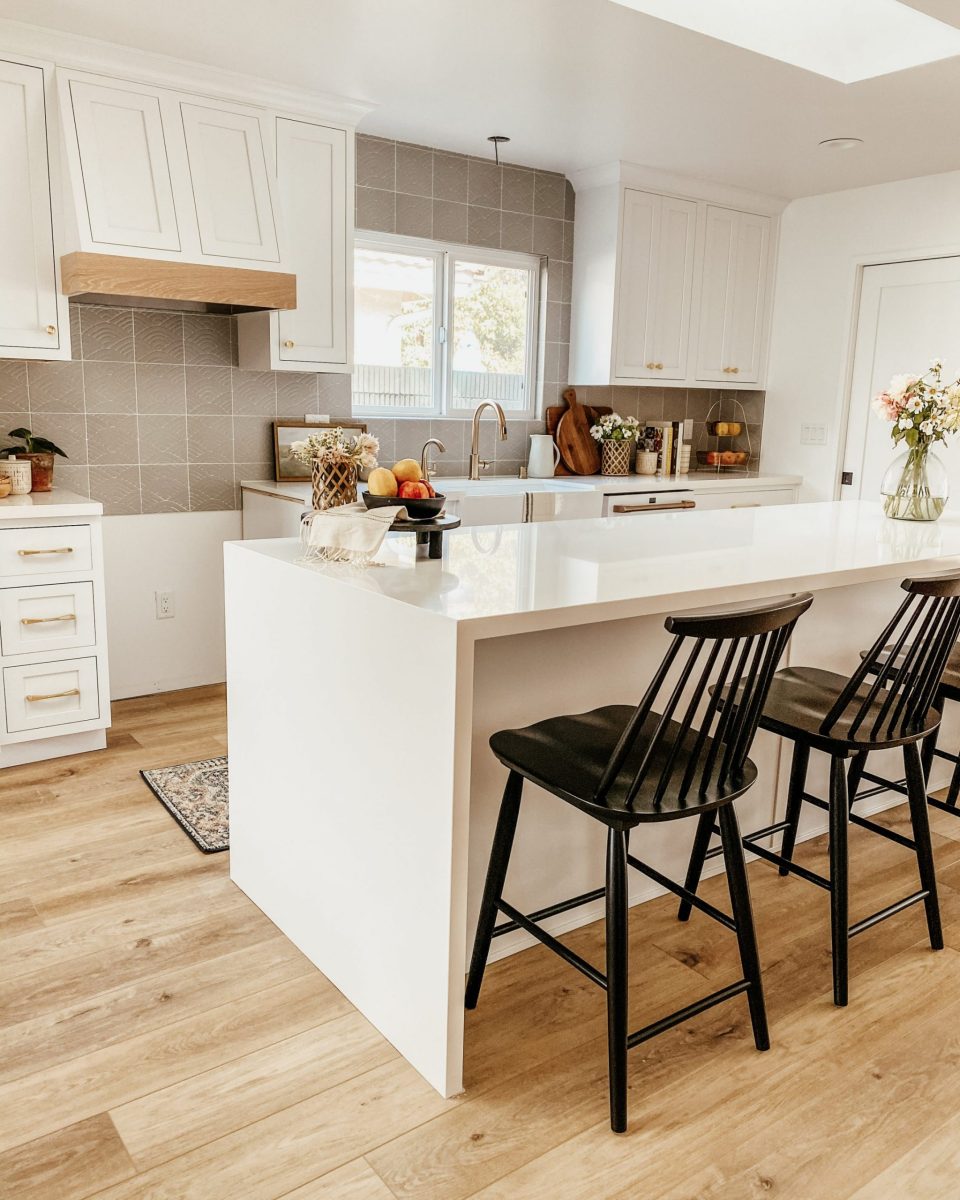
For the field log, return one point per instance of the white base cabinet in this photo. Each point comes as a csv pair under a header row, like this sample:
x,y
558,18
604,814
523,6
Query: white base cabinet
x,y
34,320
54,678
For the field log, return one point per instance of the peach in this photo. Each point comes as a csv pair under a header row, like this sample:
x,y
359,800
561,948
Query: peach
x,y
407,470
382,482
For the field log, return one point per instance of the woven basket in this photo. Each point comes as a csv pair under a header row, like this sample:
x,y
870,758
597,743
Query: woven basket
x,y
334,485
616,457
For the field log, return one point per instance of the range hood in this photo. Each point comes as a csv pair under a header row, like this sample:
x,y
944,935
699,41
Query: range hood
x,y
85,273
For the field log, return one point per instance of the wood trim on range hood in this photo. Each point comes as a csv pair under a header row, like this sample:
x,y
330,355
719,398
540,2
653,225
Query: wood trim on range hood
x,y
159,279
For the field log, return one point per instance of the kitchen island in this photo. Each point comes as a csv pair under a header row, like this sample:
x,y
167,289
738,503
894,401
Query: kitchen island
x,y
363,793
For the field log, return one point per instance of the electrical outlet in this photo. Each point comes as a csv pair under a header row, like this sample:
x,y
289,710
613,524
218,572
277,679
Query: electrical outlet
x,y
813,435
165,606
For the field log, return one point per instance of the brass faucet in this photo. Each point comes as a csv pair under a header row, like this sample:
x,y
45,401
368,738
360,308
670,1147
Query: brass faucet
x,y
426,466
476,462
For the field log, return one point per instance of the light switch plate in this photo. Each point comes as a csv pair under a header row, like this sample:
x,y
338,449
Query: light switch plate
x,y
813,435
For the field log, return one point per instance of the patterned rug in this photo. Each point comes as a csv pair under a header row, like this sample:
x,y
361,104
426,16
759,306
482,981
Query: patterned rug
x,y
196,796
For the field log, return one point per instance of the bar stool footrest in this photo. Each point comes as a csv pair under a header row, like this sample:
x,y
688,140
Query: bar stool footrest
x,y
684,1014
684,893
779,861
551,910
553,944
882,914
886,785
865,823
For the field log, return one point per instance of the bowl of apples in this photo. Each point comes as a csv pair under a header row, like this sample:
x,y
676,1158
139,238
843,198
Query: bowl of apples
x,y
403,483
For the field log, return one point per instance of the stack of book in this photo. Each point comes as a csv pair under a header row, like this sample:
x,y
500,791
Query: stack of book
x,y
671,440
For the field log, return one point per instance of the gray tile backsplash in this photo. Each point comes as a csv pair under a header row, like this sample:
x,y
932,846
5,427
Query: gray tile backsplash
x,y
156,416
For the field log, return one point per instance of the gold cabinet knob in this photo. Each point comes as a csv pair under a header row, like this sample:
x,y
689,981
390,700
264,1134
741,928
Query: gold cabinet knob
x,y
288,344
650,366
659,366
731,370
51,329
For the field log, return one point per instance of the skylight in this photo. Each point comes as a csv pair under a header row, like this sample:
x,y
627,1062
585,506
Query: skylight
x,y
847,40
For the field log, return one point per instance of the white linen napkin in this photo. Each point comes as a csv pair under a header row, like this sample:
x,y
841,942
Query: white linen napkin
x,y
347,533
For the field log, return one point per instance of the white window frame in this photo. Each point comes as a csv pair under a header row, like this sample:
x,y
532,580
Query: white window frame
x,y
445,256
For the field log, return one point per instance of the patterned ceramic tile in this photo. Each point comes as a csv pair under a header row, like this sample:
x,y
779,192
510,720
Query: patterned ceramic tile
x,y
13,386
76,342
549,197
110,387
117,488
376,210
296,393
157,336
72,477
163,439
455,436
210,439
107,333
252,439
414,216
376,163
243,472
254,393
566,294
333,395
516,231
66,430
161,388
483,226
450,177
164,489
517,190
449,221
414,170
484,183
212,488
548,237
209,389
111,439
207,339
570,201
568,241
55,386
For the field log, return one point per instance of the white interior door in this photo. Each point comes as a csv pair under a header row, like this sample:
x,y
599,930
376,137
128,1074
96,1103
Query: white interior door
x,y
909,315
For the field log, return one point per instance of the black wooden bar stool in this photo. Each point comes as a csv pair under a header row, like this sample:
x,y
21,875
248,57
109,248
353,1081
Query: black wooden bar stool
x,y
626,766
886,703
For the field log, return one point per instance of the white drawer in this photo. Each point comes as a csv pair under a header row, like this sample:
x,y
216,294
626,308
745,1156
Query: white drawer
x,y
52,693
47,617
45,550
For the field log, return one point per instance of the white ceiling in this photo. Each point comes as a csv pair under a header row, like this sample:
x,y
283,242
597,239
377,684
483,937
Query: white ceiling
x,y
575,83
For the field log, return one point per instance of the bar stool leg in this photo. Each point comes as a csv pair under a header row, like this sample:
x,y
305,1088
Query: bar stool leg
x,y
930,744
920,818
858,765
798,779
493,887
743,916
839,881
698,856
617,965
953,791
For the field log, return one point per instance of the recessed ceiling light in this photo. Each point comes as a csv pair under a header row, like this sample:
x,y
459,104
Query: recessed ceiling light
x,y
847,40
841,143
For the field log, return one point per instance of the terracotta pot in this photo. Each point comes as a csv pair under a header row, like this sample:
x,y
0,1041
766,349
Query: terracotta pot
x,y
41,467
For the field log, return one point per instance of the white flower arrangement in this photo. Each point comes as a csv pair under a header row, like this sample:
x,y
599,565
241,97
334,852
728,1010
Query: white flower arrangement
x,y
614,428
332,448
921,408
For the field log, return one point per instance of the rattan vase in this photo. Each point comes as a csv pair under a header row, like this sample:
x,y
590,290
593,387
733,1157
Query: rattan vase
x,y
334,485
615,458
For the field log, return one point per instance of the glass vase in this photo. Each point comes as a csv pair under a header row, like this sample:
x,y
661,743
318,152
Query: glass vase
x,y
915,486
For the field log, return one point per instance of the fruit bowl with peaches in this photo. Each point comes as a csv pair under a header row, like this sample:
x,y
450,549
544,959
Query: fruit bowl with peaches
x,y
403,483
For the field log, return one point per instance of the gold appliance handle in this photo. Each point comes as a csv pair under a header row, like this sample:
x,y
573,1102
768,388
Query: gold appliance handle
x,y
642,508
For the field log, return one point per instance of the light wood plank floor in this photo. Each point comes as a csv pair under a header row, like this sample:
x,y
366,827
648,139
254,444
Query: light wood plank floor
x,y
160,1040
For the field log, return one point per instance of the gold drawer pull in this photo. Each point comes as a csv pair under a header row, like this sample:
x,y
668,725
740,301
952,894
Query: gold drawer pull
x,y
55,695
57,550
51,329
44,620
288,344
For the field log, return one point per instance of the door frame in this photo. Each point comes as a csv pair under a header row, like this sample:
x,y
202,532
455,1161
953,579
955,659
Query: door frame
x,y
859,262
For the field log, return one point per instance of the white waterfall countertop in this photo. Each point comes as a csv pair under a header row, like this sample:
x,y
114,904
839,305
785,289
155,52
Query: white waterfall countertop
x,y
516,578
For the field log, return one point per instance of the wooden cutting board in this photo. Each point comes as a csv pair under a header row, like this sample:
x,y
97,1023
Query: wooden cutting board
x,y
552,416
577,448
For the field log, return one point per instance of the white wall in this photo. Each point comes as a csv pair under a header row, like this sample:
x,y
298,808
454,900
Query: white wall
x,y
179,552
824,240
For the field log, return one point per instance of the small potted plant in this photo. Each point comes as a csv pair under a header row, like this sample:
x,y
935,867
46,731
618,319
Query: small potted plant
x,y
616,436
336,460
40,454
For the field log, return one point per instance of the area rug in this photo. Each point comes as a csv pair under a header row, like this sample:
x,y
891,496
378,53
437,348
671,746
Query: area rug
x,y
196,796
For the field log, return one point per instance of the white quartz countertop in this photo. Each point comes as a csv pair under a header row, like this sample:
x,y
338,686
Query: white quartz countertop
x,y
608,484
58,504
515,578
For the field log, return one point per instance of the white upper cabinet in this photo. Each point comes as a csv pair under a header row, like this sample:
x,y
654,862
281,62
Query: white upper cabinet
x,y
159,174
668,287
656,273
231,189
315,187
733,292
33,317
124,168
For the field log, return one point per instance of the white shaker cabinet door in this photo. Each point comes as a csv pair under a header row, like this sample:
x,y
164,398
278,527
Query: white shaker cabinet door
x,y
231,188
733,296
123,185
312,183
657,241
29,319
